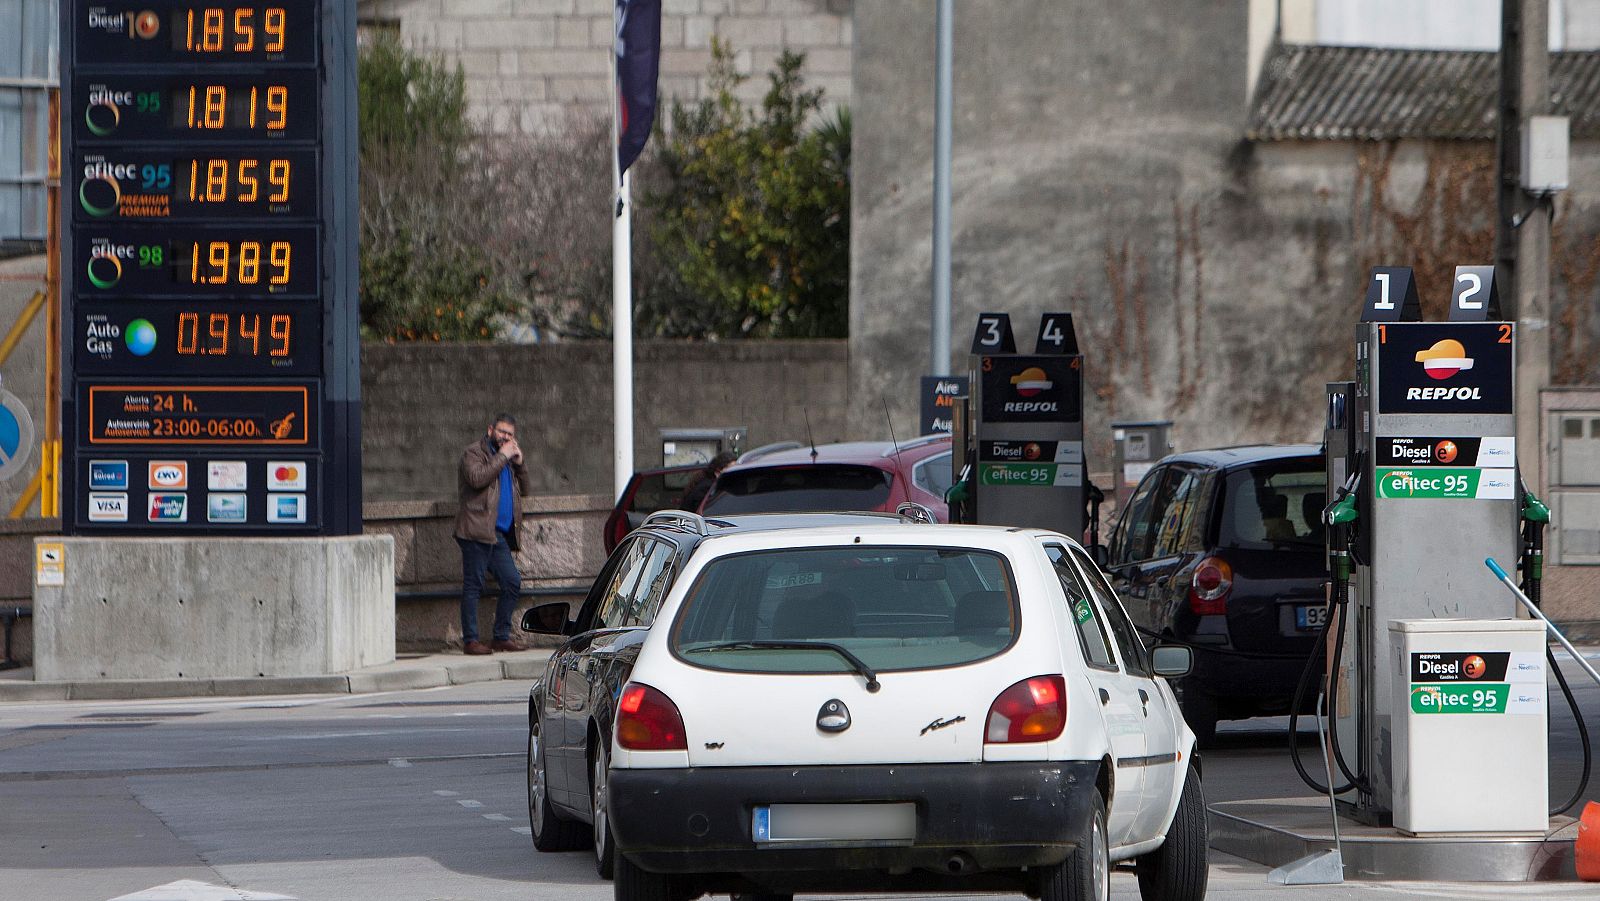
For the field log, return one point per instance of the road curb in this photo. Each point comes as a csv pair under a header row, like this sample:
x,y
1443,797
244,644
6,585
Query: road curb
x,y
435,671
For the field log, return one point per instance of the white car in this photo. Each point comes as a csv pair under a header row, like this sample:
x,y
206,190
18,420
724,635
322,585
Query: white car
x,y
886,706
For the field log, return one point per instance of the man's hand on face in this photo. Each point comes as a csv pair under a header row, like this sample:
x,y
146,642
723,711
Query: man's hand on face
x,y
511,450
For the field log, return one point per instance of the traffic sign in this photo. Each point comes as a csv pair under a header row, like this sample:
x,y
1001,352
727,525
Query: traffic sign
x,y
16,435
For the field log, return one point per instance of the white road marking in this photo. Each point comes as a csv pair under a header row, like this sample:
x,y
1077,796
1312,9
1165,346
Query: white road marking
x,y
522,830
470,805
192,890
445,794
498,817
399,762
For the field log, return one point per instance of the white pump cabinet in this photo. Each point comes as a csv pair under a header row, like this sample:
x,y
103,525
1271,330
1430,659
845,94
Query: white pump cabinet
x,y
1470,737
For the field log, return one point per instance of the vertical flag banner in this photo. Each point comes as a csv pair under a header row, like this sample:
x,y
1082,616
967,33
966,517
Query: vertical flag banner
x,y
638,49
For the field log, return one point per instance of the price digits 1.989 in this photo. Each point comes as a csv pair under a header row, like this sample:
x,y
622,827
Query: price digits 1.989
x,y
227,263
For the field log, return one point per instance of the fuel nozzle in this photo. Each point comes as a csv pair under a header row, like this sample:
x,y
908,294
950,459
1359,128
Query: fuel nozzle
x,y
1340,516
1534,510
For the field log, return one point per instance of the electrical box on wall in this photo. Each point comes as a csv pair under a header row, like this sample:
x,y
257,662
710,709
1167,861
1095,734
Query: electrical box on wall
x,y
1544,154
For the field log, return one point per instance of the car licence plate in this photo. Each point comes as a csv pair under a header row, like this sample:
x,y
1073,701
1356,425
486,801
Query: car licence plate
x,y
1310,616
882,822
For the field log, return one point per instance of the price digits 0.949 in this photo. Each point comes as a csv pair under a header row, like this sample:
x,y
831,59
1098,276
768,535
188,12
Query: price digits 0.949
x,y
232,30
221,327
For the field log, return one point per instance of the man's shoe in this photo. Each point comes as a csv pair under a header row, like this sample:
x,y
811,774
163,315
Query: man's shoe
x,y
477,647
506,644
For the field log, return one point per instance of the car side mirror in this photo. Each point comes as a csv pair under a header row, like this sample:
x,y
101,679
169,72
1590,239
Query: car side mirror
x,y
546,619
1172,660
1100,555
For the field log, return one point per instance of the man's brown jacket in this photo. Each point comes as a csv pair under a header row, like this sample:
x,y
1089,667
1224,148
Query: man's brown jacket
x,y
478,477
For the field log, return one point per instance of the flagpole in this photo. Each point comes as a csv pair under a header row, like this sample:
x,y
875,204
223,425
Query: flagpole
x,y
621,307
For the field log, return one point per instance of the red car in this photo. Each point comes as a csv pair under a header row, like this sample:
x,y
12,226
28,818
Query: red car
x,y
854,476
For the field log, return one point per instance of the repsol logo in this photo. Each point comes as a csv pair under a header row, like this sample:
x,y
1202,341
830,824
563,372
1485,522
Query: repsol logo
x,y
1460,393
1032,406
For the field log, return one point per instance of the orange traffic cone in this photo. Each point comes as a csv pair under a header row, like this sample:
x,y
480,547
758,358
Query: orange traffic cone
x,y
1586,850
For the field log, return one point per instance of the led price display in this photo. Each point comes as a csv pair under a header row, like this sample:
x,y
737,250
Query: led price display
x,y
216,184
154,337
275,106
218,261
163,31
240,415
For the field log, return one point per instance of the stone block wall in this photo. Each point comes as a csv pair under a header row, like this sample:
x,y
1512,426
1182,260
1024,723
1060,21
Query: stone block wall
x,y
531,65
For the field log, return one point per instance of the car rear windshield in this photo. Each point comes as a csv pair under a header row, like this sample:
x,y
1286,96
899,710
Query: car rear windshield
x,y
799,489
893,608
660,490
1273,506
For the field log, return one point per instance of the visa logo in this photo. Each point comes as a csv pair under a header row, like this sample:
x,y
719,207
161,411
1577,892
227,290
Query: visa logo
x,y
108,508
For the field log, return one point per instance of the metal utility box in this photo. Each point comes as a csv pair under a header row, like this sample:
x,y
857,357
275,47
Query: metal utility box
x,y
1470,737
684,447
1138,446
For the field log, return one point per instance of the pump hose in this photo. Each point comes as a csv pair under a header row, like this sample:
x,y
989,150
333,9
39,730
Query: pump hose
x,y
1294,713
1583,735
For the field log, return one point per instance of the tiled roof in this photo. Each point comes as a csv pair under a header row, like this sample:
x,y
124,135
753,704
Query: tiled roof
x,y
1321,93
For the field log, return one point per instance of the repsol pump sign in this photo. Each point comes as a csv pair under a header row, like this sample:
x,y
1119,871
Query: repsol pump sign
x,y
1469,666
1445,367
1032,388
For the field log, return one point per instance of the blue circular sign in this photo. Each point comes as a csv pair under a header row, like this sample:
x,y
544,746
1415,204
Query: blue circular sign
x,y
140,336
16,434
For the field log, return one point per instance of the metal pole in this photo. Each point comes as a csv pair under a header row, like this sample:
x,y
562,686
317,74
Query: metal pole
x,y
50,448
1505,578
939,351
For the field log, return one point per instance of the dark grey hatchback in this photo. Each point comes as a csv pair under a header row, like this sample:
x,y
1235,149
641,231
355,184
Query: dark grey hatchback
x,y
1223,550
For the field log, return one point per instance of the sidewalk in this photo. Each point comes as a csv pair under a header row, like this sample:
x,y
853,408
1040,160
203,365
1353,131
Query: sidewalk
x,y
407,672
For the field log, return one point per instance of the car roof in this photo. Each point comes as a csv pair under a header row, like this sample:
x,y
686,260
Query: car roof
x,y
870,453
1245,455
869,528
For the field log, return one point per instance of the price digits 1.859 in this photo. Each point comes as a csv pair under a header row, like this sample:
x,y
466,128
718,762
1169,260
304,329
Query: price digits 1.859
x,y
212,30
241,264
220,327
220,181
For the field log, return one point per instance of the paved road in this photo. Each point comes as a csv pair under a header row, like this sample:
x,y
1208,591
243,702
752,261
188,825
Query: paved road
x,y
392,797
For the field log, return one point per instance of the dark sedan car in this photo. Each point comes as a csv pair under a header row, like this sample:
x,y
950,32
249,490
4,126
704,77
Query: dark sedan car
x,y
1223,550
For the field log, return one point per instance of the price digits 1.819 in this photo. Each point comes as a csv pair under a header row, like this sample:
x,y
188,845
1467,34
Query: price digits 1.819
x,y
213,30
211,107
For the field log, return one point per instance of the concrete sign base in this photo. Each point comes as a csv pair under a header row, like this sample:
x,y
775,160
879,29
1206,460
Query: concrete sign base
x,y
206,608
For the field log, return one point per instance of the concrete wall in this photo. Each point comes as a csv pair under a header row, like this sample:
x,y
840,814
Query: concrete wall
x,y
423,403
532,64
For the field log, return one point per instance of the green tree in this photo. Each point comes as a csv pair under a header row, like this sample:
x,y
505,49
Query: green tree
x,y
753,213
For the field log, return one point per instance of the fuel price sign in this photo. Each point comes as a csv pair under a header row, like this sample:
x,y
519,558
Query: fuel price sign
x,y
208,267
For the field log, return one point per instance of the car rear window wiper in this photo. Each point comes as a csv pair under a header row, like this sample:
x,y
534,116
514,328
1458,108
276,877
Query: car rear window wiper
x,y
855,662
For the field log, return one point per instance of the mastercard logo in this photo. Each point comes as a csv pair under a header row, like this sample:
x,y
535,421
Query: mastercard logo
x,y
1444,359
1446,451
287,474
1031,381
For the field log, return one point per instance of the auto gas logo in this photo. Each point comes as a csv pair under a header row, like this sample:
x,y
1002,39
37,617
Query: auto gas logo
x,y
169,508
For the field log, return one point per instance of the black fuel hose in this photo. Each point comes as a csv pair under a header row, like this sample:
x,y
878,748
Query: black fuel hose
x,y
1583,735
1355,782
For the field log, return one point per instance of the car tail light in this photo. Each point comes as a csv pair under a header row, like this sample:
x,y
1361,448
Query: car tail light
x,y
1208,592
1031,710
647,720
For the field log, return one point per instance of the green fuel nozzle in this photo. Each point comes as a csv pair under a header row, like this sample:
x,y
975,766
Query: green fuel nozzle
x,y
1534,510
1343,512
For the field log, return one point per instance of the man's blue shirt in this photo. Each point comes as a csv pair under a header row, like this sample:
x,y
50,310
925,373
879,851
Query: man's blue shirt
x,y
502,521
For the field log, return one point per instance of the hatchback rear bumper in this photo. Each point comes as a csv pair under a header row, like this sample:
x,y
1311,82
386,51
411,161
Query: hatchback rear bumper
x,y
971,817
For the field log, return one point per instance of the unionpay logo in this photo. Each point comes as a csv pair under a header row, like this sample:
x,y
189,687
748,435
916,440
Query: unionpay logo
x,y
1444,359
1031,381
169,508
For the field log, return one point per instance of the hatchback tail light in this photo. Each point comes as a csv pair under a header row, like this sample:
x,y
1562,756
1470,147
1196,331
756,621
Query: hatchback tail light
x,y
647,720
1212,583
1031,710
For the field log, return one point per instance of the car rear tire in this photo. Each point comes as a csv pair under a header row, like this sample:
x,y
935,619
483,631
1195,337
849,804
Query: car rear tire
x,y
551,832
605,850
1200,712
1177,871
1086,875
634,884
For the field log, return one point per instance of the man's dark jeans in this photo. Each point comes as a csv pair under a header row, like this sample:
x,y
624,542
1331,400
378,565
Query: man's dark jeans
x,y
475,558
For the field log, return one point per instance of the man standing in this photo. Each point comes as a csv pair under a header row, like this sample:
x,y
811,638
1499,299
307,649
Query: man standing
x,y
493,480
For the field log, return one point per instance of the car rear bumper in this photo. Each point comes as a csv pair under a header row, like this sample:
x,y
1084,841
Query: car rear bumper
x,y
971,817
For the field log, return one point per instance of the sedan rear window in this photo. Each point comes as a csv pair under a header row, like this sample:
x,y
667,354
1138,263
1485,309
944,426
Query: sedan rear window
x,y
893,608
799,489
1274,506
